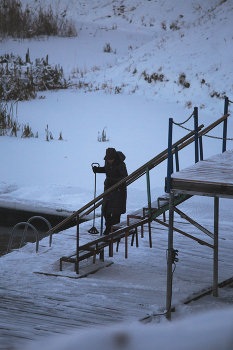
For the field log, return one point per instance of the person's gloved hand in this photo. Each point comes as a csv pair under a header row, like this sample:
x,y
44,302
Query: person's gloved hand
x,y
94,168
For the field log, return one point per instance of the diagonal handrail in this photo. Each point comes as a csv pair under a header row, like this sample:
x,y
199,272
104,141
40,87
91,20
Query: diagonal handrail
x,y
183,142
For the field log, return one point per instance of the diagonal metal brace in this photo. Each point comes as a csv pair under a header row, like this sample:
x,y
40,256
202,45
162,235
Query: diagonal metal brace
x,y
194,223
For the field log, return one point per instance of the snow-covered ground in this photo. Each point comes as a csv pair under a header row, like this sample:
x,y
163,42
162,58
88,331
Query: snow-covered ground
x,y
116,96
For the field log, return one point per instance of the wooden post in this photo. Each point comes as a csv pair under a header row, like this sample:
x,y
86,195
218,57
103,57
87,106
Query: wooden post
x,y
216,219
224,141
77,245
169,256
196,133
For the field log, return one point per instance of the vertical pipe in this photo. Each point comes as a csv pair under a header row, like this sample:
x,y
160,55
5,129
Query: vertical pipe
x,y
224,141
169,256
196,133
201,148
101,234
77,252
216,220
169,159
177,159
148,191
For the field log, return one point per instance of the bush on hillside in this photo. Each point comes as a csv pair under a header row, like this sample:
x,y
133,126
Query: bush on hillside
x,y
182,81
20,80
32,22
154,77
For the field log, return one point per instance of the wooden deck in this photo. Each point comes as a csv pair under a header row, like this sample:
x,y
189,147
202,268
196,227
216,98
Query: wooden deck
x,y
210,177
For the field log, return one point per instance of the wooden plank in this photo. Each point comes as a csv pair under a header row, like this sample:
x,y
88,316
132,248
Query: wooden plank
x,y
203,188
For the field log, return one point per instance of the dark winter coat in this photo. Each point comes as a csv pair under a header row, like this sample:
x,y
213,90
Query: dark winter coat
x,y
115,201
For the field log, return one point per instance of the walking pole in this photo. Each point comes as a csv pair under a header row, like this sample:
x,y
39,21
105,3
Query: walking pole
x,y
93,230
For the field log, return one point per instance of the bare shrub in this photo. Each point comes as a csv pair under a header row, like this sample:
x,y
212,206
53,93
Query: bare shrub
x,y
182,81
163,25
153,77
174,25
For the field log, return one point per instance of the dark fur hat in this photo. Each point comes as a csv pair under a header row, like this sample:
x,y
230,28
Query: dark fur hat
x,y
110,153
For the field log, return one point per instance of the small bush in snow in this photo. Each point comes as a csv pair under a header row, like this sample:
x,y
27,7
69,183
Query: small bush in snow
x,y
174,25
163,25
188,104
102,136
153,77
107,48
49,135
27,132
182,81
117,90
218,95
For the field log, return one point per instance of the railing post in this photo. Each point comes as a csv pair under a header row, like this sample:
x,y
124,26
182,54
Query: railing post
x,y
201,148
224,141
216,224
101,234
77,253
169,256
196,133
169,159
148,191
177,159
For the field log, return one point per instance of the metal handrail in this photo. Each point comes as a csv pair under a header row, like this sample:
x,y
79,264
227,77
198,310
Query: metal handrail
x,y
183,142
12,235
26,228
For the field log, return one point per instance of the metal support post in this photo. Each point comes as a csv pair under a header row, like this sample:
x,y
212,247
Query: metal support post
x,y
201,148
170,158
196,133
216,220
224,141
148,191
169,256
177,159
77,252
101,234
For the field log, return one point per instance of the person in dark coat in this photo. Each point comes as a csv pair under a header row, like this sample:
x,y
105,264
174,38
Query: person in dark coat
x,y
114,203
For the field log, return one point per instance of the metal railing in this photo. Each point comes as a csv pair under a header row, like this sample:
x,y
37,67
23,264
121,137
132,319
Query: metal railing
x,y
179,145
128,180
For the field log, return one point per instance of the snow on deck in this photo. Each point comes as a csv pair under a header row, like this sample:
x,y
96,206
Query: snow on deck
x,y
217,169
35,305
